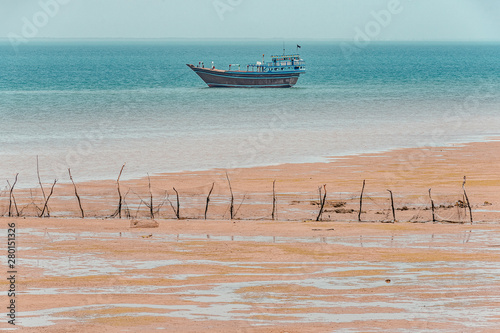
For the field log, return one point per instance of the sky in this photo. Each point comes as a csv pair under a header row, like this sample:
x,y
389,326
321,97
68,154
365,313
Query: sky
x,y
411,20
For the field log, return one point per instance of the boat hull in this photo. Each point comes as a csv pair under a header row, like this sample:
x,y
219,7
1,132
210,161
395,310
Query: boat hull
x,y
215,78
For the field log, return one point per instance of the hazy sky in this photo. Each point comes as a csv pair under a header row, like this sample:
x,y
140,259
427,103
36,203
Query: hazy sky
x,y
284,19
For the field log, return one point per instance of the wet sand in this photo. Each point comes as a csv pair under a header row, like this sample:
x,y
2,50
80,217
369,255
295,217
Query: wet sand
x,y
256,275
408,173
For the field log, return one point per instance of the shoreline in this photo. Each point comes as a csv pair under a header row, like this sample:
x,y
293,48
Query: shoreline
x,y
136,175
409,173
307,160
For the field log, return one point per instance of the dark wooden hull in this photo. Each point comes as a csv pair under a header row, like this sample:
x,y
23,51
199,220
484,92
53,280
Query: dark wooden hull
x,y
238,79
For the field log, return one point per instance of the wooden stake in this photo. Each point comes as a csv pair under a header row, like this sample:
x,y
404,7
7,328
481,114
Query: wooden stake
x,y
46,205
15,205
322,202
76,193
177,212
273,214
40,181
11,196
151,210
208,200
432,207
393,210
231,207
467,200
118,211
361,201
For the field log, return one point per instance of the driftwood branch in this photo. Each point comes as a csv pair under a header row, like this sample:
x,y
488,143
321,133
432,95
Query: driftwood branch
x,y
322,203
231,207
46,205
467,200
361,201
208,200
76,193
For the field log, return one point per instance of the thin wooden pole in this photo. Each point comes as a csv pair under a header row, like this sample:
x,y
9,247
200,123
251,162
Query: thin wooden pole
x,y
208,200
273,215
432,206
323,201
178,211
392,205
40,181
231,207
361,201
151,204
46,206
11,196
120,198
467,200
76,193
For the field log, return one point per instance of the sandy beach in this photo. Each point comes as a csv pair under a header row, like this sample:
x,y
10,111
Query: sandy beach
x,y
408,173
252,274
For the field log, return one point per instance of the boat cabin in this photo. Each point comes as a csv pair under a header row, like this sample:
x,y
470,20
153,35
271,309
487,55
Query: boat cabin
x,y
281,63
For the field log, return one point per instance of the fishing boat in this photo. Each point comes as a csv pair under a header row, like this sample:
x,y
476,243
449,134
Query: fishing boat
x,y
282,71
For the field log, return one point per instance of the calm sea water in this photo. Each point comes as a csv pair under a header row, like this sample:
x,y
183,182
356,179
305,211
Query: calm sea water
x,y
92,106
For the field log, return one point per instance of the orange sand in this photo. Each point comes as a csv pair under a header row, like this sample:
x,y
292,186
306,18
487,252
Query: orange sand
x,y
257,275
408,173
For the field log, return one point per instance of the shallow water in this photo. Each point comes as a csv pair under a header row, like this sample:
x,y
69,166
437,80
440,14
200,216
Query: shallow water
x,y
467,241
226,302
459,293
94,106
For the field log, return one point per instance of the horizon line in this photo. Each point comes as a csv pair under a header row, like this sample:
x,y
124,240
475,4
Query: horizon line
x,y
245,39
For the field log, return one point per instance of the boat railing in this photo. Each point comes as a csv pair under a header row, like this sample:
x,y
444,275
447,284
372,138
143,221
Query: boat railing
x,y
271,66
286,56
257,67
287,63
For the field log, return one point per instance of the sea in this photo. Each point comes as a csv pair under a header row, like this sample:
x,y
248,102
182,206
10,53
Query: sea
x,y
94,105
